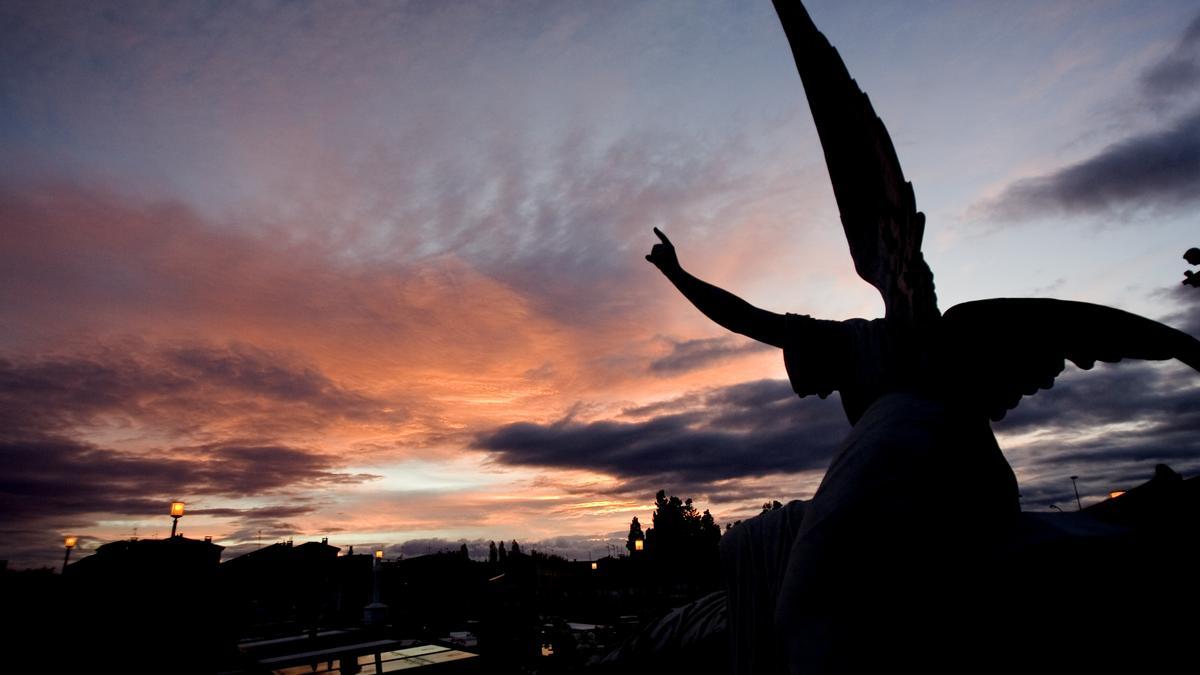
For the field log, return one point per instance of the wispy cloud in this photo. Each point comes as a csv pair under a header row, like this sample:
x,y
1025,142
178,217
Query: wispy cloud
x,y
1187,317
700,353
1177,75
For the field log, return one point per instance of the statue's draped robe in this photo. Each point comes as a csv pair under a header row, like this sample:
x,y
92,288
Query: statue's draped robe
x,y
913,499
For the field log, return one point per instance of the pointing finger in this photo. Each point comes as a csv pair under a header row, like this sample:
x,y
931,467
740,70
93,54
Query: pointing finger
x,y
662,236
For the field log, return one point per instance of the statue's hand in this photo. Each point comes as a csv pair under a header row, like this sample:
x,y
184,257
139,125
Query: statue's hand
x,y
663,254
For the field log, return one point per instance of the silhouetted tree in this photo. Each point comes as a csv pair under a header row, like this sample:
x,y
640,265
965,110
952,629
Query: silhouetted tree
x,y
771,506
462,550
635,534
515,549
682,545
492,557
710,533
503,554
680,531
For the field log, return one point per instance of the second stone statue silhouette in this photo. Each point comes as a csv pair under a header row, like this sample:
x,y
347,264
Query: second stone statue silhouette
x,y
919,499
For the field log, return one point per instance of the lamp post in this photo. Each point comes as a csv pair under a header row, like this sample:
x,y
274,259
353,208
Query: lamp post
x,y
176,514
69,542
1078,503
375,613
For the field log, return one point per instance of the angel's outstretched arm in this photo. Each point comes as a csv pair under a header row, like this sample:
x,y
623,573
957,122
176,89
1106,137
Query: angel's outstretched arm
x,y
723,307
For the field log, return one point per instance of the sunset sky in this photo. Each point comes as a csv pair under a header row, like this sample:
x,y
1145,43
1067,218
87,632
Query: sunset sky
x,y
375,271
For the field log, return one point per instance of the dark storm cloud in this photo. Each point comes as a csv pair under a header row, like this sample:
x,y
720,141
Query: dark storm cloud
x,y
747,430
701,353
1109,427
1156,169
55,484
60,479
1124,391
262,513
707,444
181,388
1153,169
258,372
247,470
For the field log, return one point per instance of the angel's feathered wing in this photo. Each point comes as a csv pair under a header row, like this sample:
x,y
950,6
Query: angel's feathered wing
x,y
995,351
879,213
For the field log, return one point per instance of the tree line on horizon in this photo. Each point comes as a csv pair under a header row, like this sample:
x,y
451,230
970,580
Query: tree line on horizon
x,y
679,531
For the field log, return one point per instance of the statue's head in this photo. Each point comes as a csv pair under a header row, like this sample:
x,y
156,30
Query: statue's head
x,y
1192,256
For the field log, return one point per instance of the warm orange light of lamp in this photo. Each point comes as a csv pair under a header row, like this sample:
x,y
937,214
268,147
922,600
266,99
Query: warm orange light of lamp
x,y
1115,493
176,509
639,544
69,542
595,566
379,554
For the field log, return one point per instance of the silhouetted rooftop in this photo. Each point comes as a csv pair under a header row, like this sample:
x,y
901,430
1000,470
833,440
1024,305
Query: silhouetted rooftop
x,y
1164,501
126,552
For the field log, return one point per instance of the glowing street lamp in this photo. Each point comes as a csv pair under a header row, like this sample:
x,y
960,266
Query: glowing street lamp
x,y
176,514
639,544
69,542
375,613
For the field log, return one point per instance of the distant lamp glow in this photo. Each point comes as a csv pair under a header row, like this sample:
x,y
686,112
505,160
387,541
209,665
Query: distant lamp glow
x,y
379,554
595,566
176,514
1115,493
69,543
639,544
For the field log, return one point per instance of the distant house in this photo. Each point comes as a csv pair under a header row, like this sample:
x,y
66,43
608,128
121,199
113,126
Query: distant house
x,y
141,605
283,587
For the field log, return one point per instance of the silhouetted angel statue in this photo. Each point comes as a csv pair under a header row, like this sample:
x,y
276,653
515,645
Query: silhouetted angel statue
x,y
919,494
